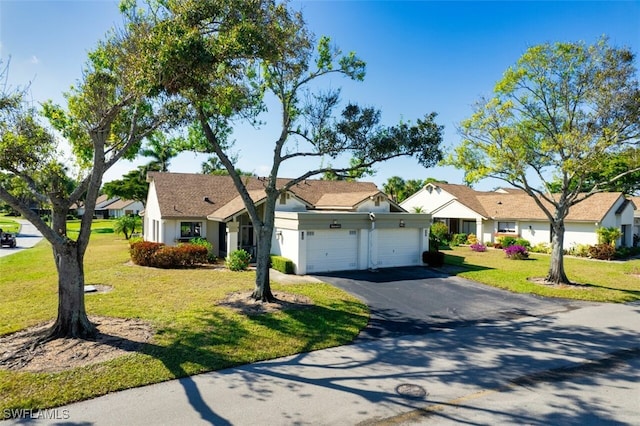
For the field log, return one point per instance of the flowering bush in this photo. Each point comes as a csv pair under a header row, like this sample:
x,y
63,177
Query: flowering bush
x,y
479,247
472,239
516,252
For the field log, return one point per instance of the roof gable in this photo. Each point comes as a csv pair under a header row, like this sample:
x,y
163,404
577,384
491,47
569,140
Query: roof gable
x,y
513,203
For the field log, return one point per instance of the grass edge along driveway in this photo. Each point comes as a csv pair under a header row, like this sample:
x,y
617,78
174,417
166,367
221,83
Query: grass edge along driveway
x,y
600,281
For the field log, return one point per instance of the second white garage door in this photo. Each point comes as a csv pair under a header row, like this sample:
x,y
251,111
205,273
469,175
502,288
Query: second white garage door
x,y
332,250
398,247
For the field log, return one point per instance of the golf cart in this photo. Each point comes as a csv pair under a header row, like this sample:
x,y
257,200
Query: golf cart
x,y
6,239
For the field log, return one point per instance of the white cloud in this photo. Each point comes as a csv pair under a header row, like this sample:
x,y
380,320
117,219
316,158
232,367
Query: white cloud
x,y
34,60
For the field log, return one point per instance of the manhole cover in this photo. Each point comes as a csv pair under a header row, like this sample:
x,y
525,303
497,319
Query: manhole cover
x,y
409,390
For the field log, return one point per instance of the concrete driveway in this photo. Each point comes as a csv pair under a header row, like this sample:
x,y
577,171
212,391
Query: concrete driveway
x,y
419,300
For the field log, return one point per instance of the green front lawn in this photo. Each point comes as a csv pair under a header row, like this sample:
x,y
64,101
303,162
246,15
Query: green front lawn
x,y
603,281
192,334
9,225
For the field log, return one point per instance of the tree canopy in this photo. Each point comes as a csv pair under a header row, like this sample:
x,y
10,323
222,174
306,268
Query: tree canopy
x,y
556,120
107,115
272,53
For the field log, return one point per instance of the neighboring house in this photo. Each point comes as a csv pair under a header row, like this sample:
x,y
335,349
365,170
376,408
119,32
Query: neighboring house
x,y
636,216
113,207
508,211
320,225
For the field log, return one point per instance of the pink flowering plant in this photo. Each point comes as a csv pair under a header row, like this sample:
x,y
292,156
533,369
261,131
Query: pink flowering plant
x,y
479,247
516,252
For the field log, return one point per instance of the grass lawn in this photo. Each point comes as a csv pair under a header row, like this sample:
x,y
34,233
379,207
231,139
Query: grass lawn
x,y
604,281
9,225
192,334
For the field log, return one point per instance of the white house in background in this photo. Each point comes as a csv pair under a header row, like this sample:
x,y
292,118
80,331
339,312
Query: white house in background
x,y
320,225
113,207
636,216
510,211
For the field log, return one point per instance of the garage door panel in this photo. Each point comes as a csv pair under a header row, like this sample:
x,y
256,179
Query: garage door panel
x,y
332,250
398,247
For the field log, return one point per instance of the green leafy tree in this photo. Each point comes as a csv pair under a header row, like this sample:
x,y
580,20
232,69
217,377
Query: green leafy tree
x,y
126,225
399,190
106,117
350,175
263,47
556,115
394,188
610,166
132,186
161,149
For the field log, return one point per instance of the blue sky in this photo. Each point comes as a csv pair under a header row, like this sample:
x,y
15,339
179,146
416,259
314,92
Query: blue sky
x,y
422,56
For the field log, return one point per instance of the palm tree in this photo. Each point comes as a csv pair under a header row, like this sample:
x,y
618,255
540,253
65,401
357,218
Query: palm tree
x,y
394,188
161,149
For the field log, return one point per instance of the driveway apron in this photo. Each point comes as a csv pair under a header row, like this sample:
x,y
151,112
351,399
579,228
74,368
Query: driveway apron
x,y
419,300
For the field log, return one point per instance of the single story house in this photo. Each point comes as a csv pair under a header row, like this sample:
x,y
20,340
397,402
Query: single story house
x,y
320,225
510,211
116,207
636,216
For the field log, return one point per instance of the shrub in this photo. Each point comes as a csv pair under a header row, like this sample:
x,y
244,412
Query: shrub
x,y
282,264
602,252
580,250
505,240
433,258
479,247
203,242
608,235
142,252
439,231
238,260
158,255
522,242
166,257
516,252
458,239
191,254
472,239
541,248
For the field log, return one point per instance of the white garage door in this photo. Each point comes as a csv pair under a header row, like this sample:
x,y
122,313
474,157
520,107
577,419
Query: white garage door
x,y
398,247
332,250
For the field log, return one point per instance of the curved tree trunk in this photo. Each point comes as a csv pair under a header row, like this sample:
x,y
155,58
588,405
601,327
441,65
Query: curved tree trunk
x,y
556,272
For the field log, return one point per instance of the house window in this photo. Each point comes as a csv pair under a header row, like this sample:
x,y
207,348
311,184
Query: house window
x,y
469,227
507,227
190,229
377,201
283,198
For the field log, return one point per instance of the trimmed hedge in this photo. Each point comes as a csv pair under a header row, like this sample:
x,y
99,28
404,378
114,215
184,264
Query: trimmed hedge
x,y
282,264
158,255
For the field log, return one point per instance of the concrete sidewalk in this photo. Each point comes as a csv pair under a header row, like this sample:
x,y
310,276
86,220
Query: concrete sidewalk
x,y
577,367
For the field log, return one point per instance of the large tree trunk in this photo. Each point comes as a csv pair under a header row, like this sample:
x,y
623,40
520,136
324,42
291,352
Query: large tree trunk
x,y
262,290
72,320
556,272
